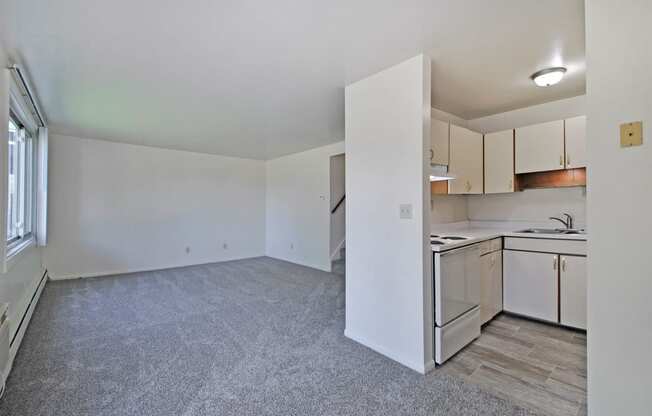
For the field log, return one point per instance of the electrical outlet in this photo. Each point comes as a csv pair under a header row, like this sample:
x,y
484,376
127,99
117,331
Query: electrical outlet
x,y
291,246
405,211
225,246
187,249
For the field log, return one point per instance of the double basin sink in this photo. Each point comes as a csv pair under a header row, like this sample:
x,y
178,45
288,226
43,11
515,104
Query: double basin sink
x,y
561,231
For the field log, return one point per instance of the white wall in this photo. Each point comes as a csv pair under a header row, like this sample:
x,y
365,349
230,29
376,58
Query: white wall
x,y
116,208
530,206
445,209
338,190
619,89
388,272
298,201
18,284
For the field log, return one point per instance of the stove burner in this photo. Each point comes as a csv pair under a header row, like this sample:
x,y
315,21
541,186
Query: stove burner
x,y
454,238
434,236
437,242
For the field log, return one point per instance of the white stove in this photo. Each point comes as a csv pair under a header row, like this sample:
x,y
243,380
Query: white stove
x,y
443,240
456,294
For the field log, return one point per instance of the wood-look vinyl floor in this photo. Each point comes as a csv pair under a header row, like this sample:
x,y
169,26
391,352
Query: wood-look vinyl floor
x,y
538,366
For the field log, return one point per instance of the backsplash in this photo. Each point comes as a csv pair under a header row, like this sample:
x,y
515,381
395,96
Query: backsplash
x,y
529,205
445,209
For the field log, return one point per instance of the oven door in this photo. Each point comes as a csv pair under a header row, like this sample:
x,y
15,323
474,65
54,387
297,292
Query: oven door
x,y
457,283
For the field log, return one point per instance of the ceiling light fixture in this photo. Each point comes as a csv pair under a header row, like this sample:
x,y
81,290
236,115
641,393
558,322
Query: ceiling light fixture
x,y
549,76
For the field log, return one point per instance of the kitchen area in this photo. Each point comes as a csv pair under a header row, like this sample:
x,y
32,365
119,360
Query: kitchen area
x,y
509,249
467,159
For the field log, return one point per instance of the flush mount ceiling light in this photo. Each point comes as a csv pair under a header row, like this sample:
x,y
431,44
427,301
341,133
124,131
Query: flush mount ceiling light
x,y
549,76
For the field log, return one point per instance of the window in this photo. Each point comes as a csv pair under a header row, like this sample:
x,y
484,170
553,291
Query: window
x,y
20,198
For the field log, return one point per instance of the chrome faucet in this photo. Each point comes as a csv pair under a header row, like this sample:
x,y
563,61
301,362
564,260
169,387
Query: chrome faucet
x,y
568,223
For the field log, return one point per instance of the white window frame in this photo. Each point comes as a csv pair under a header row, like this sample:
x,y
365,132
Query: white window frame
x,y
27,171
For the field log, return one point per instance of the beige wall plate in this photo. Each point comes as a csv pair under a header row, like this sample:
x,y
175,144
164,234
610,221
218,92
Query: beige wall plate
x,y
631,134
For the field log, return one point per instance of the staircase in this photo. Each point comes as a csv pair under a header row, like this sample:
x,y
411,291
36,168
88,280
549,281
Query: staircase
x,y
339,266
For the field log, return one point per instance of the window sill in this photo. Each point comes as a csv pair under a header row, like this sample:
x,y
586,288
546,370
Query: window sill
x,y
13,254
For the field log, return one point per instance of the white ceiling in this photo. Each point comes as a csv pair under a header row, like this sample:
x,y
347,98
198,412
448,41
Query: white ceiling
x,y
261,78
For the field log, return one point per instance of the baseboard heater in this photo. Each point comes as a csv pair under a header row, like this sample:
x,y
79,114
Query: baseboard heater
x,y
7,348
4,341
29,307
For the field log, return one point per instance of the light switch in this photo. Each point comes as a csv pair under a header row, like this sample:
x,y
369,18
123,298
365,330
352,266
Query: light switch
x,y
405,211
631,134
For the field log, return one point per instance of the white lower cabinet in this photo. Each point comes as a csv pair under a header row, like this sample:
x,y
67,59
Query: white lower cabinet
x,y
497,281
572,291
491,286
531,284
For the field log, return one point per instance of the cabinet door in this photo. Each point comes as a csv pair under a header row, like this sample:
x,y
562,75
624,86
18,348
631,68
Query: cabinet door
x,y
573,291
540,147
499,162
439,142
465,161
576,142
491,286
531,284
486,288
497,283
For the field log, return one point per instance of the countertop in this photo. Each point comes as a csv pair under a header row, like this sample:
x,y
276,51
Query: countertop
x,y
476,232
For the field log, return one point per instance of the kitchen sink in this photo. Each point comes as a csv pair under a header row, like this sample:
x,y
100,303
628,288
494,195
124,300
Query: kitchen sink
x,y
543,231
551,231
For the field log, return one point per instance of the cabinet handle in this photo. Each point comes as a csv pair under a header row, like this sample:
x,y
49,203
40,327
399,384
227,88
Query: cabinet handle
x,y
468,186
561,160
563,264
554,263
432,154
568,162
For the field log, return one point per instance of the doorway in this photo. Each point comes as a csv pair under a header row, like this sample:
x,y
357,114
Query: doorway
x,y
337,208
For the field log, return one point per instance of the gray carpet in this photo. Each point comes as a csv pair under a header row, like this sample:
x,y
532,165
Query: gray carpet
x,y
249,337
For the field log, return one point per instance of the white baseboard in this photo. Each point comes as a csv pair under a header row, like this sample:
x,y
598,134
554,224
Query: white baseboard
x,y
324,268
430,365
421,368
27,317
84,275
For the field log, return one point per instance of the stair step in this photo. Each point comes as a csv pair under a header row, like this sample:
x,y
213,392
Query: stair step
x,y
338,267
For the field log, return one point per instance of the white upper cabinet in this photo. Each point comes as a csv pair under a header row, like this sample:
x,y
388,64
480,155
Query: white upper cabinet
x,y
540,147
439,142
465,161
499,162
576,142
